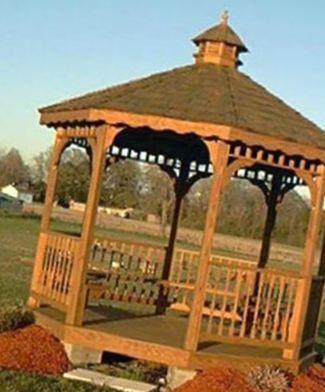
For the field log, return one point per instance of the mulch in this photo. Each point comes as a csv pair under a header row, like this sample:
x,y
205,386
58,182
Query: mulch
x,y
32,349
217,380
222,380
311,381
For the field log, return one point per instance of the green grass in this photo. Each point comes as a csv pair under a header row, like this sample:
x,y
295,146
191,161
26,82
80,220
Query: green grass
x,y
22,382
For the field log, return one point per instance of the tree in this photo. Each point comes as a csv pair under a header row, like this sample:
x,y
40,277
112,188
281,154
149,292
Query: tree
x,y
13,169
73,177
121,185
158,194
39,169
242,212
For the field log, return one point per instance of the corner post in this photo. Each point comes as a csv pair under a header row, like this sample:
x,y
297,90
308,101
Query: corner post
x,y
271,203
181,189
104,137
302,299
60,143
219,153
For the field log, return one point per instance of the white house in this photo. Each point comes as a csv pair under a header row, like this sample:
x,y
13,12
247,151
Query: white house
x,y
10,190
20,194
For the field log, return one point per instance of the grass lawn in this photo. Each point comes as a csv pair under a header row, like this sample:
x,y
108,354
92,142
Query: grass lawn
x,y
22,382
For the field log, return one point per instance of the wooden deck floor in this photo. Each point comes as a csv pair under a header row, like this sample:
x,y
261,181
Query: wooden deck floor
x,y
150,337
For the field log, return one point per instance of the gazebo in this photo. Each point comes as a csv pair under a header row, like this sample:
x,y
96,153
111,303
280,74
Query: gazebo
x,y
203,120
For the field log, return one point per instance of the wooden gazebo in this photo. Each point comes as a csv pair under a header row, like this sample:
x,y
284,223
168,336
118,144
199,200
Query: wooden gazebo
x,y
202,120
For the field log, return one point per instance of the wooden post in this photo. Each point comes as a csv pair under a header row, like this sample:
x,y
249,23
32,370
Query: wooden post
x,y
219,152
321,267
180,191
314,223
179,196
267,234
162,297
104,137
298,321
60,142
271,201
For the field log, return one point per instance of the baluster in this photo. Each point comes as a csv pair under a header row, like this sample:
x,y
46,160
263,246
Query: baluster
x,y
46,262
180,267
258,301
278,308
236,302
288,311
250,279
57,263
269,289
53,243
65,249
66,286
104,248
214,300
224,302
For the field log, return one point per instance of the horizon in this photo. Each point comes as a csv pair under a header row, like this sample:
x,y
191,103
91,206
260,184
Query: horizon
x,y
57,51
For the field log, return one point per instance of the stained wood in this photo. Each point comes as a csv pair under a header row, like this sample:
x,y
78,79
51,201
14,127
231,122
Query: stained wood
x,y
180,126
219,157
75,313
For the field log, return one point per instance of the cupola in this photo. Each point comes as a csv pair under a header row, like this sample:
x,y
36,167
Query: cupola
x,y
220,45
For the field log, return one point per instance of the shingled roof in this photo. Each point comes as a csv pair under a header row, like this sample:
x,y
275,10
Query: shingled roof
x,y
207,93
204,93
221,33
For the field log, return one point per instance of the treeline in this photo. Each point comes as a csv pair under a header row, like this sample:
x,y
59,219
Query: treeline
x,y
148,190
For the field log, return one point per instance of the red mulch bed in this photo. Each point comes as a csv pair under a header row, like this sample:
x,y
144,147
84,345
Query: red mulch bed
x,y
311,381
32,349
217,380
222,380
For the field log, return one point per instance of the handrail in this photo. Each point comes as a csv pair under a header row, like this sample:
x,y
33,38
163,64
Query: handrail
x,y
61,234
135,242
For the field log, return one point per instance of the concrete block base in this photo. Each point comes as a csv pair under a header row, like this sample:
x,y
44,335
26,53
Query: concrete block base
x,y
116,383
177,377
79,354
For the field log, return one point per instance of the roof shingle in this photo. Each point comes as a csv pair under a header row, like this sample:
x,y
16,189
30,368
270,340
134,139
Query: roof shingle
x,y
221,33
204,93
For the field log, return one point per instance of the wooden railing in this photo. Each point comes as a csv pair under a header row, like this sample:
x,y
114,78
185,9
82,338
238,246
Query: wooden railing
x,y
249,305
312,316
130,271
242,303
183,277
54,279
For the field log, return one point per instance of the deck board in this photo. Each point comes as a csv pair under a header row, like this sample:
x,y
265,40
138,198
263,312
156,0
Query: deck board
x,y
168,330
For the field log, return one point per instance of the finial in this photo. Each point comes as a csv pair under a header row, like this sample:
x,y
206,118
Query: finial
x,y
225,17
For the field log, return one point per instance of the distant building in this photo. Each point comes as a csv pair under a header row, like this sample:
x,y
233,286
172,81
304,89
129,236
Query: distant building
x,y
124,213
10,204
20,193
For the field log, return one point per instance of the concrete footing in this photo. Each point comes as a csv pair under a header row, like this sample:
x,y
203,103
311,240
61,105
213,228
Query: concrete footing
x,y
79,354
177,377
116,383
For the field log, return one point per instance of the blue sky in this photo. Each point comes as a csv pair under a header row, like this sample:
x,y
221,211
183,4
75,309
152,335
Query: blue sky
x,y
55,49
